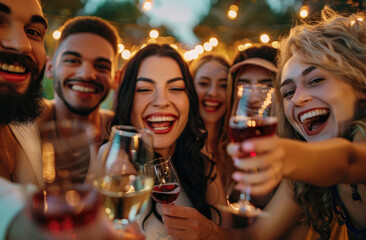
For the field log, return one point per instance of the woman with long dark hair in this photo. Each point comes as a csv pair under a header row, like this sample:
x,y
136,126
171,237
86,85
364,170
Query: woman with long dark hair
x,y
157,93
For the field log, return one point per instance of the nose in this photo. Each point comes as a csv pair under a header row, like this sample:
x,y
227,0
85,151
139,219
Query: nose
x,y
86,71
300,97
212,90
17,41
254,96
161,98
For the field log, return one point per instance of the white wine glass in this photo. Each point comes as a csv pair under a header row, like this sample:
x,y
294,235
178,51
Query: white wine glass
x,y
252,116
166,181
124,188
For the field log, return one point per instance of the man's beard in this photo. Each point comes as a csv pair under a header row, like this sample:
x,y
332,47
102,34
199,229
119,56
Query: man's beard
x,y
22,108
83,111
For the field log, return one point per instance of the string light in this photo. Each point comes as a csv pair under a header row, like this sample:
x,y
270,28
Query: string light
x,y
154,34
213,41
264,38
233,11
56,35
275,44
121,47
126,54
207,46
199,49
147,5
304,10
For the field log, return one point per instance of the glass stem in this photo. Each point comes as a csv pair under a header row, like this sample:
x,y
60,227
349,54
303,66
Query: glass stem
x,y
245,196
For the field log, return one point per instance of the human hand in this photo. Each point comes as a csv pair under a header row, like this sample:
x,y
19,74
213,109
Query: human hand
x,y
187,223
261,161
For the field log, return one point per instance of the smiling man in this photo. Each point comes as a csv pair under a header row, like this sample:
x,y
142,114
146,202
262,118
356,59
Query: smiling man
x,y
22,61
83,70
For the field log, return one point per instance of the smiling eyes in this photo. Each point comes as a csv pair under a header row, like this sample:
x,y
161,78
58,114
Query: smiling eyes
x,y
150,89
74,61
289,90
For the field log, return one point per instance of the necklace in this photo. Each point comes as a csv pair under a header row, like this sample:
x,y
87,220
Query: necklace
x,y
355,195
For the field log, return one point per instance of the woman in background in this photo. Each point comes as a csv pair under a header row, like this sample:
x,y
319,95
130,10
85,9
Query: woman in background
x,y
210,80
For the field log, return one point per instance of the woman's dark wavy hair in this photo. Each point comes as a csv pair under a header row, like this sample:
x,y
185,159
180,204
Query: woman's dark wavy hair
x,y
337,45
190,163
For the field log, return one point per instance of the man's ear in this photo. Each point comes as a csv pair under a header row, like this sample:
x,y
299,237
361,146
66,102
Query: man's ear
x,y
117,79
49,68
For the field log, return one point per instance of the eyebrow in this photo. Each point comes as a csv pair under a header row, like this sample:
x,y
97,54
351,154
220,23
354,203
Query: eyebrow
x,y
244,80
4,9
76,54
304,73
39,19
152,81
34,19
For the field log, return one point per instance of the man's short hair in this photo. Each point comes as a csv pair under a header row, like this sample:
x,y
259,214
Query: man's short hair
x,y
90,24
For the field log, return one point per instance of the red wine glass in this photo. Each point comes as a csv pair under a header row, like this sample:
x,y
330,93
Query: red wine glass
x,y
252,116
166,182
68,201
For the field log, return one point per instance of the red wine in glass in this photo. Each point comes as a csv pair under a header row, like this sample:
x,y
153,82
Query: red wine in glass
x,y
166,193
241,129
65,211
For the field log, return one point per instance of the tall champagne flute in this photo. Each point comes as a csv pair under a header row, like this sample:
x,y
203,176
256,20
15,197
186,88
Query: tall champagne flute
x,y
166,181
125,189
252,116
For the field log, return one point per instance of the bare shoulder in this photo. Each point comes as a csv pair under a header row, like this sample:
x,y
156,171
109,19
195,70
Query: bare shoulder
x,y
47,114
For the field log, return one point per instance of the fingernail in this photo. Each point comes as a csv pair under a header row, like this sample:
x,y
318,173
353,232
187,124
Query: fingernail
x,y
236,161
236,176
248,146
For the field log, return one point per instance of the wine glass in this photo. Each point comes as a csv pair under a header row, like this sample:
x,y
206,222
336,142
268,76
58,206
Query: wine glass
x,y
124,188
166,182
252,116
67,202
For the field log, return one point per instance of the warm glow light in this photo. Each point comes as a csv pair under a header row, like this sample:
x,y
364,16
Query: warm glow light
x,y
147,5
233,12
241,47
121,47
264,38
48,159
247,45
304,11
213,41
199,49
154,33
56,34
174,46
194,54
207,46
186,56
126,54
275,44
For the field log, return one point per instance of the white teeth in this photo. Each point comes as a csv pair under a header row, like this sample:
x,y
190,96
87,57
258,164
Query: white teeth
x,y
82,89
211,104
4,67
12,68
160,128
161,119
311,114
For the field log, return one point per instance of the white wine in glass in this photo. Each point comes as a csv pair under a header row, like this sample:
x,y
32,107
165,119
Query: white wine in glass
x,y
124,188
